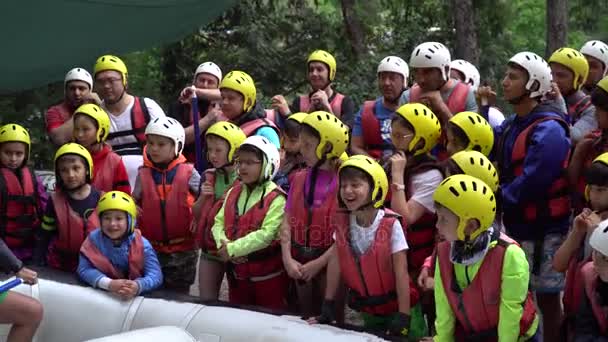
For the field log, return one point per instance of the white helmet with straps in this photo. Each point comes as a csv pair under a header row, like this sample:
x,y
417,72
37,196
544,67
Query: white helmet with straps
x,y
397,65
599,238
169,128
272,158
78,74
538,71
470,72
209,68
432,55
598,50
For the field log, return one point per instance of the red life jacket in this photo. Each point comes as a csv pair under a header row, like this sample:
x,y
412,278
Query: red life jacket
x,y
590,279
574,287
372,136
311,228
208,211
140,117
335,104
250,127
19,205
477,306
370,277
104,265
557,202
104,169
166,214
581,103
420,235
72,228
261,263
457,101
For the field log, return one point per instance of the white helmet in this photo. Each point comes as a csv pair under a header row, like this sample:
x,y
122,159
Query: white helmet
x,y
397,65
209,68
272,159
78,74
598,50
432,55
470,72
538,70
169,128
599,238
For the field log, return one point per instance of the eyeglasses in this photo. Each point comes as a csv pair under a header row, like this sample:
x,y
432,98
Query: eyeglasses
x,y
395,136
247,162
110,80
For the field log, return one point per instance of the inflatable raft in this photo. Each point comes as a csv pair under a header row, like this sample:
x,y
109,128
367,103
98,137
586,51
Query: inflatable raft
x,y
74,313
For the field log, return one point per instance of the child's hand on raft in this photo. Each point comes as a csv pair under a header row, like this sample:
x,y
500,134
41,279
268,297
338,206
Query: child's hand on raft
x,y
28,276
310,269
129,289
293,269
116,285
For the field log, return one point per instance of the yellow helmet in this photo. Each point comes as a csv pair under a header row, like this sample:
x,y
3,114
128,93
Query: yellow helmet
x,y
76,149
99,116
603,84
344,157
109,62
476,164
477,129
16,133
298,117
375,171
230,132
331,130
425,123
575,61
242,83
603,159
468,198
118,200
326,58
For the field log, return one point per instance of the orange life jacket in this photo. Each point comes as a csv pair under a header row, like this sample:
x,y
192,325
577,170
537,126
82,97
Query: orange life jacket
x,y
72,228
103,173
105,266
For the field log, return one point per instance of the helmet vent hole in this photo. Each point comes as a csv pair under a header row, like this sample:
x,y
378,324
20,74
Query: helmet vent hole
x,y
472,120
454,191
474,186
484,190
428,57
417,52
463,185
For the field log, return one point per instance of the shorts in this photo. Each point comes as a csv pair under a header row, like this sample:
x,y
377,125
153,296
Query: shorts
x,y
543,278
179,269
3,296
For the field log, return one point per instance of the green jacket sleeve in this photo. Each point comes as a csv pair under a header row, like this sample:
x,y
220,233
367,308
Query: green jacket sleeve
x,y
445,321
262,237
513,292
219,234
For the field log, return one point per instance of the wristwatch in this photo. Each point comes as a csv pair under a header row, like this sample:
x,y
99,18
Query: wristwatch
x,y
398,187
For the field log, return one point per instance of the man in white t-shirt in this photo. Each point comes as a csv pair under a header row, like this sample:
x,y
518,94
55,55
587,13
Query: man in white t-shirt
x,y
129,115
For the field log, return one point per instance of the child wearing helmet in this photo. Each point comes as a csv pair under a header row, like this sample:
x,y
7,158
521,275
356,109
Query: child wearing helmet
x,y
596,53
70,214
415,175
321,72
532,152
165,190
591,146
239,106
246,229
591,323
222,141
371,129
78,90
205,84
371,236
481,285
468,131
91,128
569,69
116,257
23,197
129,115
291,158
306,233
575,251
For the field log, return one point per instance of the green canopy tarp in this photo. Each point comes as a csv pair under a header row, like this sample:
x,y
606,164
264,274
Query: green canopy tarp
x,y
43,39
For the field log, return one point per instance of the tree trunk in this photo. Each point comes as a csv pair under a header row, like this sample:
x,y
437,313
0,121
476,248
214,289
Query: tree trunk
x,y
354,27
466,31
557,25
